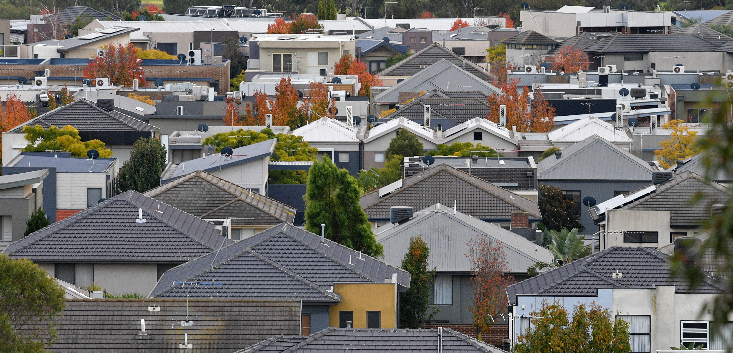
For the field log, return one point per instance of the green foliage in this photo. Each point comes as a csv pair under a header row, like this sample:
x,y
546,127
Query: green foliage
x,y
124,296
405,144
689,347
93,287
463,149
135,15
567,246
65,139
725,29
374,178
415,306
30,300
80,22
327,10
557,211
237,63
142,172
393,59
590,330
176,6
332,198
235,81
548,152
35,222
540,268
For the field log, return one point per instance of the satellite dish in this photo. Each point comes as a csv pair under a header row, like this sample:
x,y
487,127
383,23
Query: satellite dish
x,y
158,82
613,117
336,80
623,91
371,118
695,86
429,160
22,80
203,128
181,57
357,120
142,18
227,151
386,39
633,122
589,201
525,5
93,154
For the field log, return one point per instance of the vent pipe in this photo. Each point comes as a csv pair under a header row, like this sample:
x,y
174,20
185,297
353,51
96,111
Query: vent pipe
x,y
323,233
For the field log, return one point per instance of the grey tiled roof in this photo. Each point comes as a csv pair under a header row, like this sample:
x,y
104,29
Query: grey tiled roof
x,y
86,116
704,32
285,251
71,13
109,233
62,161
460,109
594,159
640,268
695,164
530,38
431,55
644,43
369,45
581,41
445,185
207,196
374,340
241,155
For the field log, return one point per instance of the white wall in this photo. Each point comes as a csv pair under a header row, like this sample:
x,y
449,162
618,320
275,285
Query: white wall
x,y
71,189
618,221
252,175
12,144
118,279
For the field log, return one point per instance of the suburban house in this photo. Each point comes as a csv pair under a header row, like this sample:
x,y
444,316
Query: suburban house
x,y
656,215
81,47
528,49
580,130
695,165
123,244
447,234
338,287
480,130
376,140
20,195
312,54
73,184
375,52
336,140
425,58
240,212
635,285
443,113
448,186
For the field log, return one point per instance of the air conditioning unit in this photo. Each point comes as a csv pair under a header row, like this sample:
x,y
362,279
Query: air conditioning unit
x,y
679,69
502,115
530,69
40,82
103,83
542,69
611,68
603,70
194,57
729,75
101,53
626,107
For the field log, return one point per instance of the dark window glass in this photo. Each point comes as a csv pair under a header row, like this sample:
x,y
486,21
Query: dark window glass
x,y
66,273
345,318
374,319
478,136
573,195
641,237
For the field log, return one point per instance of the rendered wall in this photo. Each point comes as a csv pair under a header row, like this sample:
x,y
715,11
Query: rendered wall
x,y
363,297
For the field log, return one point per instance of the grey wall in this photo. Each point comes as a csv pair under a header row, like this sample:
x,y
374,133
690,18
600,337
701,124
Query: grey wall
x,y
291,195
458,312
352,165
19,209
49,190
320,318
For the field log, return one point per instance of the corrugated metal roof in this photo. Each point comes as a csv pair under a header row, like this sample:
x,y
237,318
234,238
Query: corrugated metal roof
x,y
241,155
62,161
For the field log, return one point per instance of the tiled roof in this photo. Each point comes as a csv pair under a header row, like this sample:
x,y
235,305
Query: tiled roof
x,y
695,164
725,17
71,13
530,38
460,109
640,268
431,55
375,340
369,45
110,233
594,159
400,123
85,115
241,155
62,161
704,32
287,252
644,43
581,41
446,185
207,196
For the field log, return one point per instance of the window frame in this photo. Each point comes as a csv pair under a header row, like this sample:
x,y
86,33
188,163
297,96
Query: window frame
x,y
627,234
637,334
342,159
379,319
319,58
101,196
380,159
342,317
693,330
446,281
283,64
480,135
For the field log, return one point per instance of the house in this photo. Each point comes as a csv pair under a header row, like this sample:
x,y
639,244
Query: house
x,y
21,195
370,340
695,165
483,131
376,140
81,47
73,184
73,13
447,234
338,287
241,212
442,113
656,215
448,186
117,130
375,52
594,168
634,284
471,42
580,130
312,54
528,48
335,139
123,244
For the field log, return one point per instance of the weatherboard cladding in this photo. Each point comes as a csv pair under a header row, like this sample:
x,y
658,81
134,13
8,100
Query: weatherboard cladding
x,y
429,56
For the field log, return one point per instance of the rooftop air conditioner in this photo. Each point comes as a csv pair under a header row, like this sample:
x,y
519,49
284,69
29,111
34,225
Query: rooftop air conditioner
x,y
679,69
101,53
603,70
530,69
40,82
103,83
611,68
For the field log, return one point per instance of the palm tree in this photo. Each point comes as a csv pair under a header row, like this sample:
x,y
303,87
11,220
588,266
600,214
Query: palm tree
x,y
567,246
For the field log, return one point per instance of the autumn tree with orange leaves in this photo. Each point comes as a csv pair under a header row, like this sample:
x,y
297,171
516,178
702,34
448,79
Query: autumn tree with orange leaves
x,y
489,282
426,14
317,104
14,114
527,114
304,23
458,24
120,64
509,21
348,65
570,60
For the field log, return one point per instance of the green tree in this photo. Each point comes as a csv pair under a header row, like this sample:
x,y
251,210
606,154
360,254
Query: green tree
x,y
237,62
30,300
176,6
235,81
326,10
35,222
567,246
80,22
405,144
557,211
332,198
393,59
65,139
415,306
374,178
548,152
142,172
463,149
589,330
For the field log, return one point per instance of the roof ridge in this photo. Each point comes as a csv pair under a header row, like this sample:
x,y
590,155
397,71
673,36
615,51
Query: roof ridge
x,y
588,144
310,339
465,338
264,258
676,180
248,197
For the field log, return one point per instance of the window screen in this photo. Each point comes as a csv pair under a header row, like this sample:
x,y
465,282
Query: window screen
x,y
640,332
343,157
379,157
694,333
443,290
323,58
374,319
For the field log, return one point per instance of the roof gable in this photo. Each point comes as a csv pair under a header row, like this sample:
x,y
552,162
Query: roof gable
x,y
429,56
241,155
581,129
530,38
478,123
695,165
397,124
460,109
326,130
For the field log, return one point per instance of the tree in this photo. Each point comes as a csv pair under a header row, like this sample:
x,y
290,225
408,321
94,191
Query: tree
x,y
426,14
318,102
374,178
236,81
30,301
64,139
489,265
80,22
176,6
351,66
680,145
142,171
458,24
405,144
522,112
155,54
332,198
14,114
326,10
548,152
557,211
120,64
590,330
279,27
304,23
567,246
570,60
463,149
496,57
237,62
415,303
141,98
285,110
509,22
142,14
35,222
393,59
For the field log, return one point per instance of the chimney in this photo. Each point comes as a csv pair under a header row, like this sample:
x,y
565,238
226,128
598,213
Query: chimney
x,y
520,220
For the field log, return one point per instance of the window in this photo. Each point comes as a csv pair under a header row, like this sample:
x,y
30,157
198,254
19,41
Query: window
x,y
675,235
640,330
346,319
573,195
524,325
282,62
443,290
374,319
377,65
379,157
478,136
94,195
170,48
459,50
641,237
422,40
65,272
718,338
238,234
694,333
305,325
6,225
162,268
344,157
322,58
412,40
345,52
633,57
696,115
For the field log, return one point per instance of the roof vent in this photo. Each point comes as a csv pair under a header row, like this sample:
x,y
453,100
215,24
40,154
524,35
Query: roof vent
x,y
400,214
617,274
140,218
558,154
661,177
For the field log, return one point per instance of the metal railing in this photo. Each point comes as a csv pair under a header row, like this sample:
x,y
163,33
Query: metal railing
x,y
9,51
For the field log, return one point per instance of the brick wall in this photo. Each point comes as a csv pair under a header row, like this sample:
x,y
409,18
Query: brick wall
x,y
520,220
497,334
61,214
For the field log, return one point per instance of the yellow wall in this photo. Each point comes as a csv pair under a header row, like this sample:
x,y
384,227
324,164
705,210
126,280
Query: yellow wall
x,y
363,297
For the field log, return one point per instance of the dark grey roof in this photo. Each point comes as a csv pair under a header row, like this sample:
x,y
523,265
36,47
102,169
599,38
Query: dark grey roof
x,y
62,161
71,13
644,43
594,159
460,109
431,55
85,115
241,155
704,32
695,164
284,250
530,38
22,179
446,185
207,196
110,233
581,41
640,268
369,45
507,172
375,340
67,45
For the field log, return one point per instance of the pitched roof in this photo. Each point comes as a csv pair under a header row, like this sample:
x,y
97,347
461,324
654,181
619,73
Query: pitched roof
x,y
581,129
478,123
530,38
285,251
400,123
22,179
110,233
85,115
695,164
429,56
443,76
447,185
62,161
640,268
369,45
580,41
241,155
71,13
447,235
375,340
644,43
704,32
207,196
327,130
460,109
581,162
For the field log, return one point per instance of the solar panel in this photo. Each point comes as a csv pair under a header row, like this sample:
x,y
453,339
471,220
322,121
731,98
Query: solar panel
x,y
110,30
91,36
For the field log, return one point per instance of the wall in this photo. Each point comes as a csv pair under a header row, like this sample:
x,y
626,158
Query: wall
x,y
90,50
363,297
118,279
488,139
48,191
250,175
291,195
18,204
71,189
618,221
319,316
305,53
458,312
551,24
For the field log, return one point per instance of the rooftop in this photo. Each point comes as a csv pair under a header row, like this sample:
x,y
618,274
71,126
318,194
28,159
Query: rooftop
x,y
63,162
241,155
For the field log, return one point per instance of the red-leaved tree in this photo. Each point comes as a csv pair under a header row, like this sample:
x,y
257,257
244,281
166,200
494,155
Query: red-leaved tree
x,y
348,65
15,113
528,115
458,24
304,23
279,27
119,64
426,14
318,101
509,21
489,265
570,60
